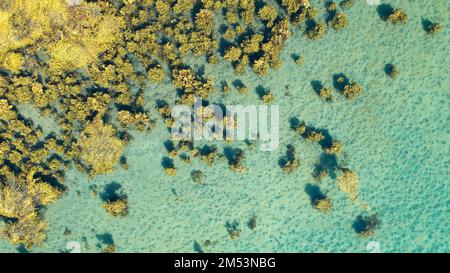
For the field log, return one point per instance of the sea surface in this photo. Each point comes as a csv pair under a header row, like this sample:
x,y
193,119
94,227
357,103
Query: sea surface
x,y
395,137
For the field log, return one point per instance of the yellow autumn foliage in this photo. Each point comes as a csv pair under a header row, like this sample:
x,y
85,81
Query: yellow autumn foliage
x,y
43,192
84,41
16,202
72,36
116,208
25,21
45,43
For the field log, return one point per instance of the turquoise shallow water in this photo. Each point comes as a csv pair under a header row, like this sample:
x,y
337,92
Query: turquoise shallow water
x,y
395,137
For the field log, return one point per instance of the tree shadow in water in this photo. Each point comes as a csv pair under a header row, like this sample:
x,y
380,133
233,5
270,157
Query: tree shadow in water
x,y
112,192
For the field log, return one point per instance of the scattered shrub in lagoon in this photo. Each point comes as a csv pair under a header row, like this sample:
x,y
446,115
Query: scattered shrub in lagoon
x,y
84,76
252,222
316,31
348,183
352,90
233,230
115,201
338,21
267,98
197,176
365,225
334,148
313,135
391,70
300,61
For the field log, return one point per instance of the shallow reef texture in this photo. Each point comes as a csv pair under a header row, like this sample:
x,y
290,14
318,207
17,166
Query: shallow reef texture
x,y
83,88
